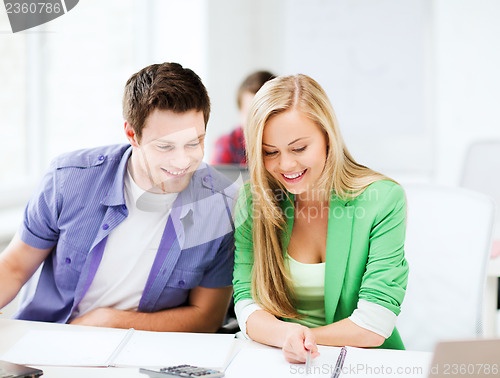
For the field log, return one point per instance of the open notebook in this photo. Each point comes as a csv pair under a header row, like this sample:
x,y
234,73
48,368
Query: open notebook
x,y
359,363
468,358
117,347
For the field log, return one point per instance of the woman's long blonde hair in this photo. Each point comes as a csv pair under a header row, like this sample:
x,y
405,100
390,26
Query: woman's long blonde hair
x,y
271,286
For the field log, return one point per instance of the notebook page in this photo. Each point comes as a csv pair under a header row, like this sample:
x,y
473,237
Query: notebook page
x,y
269,362
360,363
65,348
159,349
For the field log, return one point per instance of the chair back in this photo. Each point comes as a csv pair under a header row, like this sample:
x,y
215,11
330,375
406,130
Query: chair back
x,y
481,172
447,246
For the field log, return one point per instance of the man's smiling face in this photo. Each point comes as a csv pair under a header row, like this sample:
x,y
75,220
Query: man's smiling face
x,y
169,152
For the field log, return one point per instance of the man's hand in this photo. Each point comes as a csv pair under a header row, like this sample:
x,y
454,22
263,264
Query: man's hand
x,y
99,317
204,313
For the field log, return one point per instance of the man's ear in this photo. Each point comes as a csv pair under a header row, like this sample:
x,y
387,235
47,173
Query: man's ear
x,y
131,135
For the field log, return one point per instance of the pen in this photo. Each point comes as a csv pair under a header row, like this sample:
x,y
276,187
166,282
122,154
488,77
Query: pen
x,y
340,363
111,360
308,361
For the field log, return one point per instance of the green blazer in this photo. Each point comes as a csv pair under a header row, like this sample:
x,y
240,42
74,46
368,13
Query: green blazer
x,y
364,251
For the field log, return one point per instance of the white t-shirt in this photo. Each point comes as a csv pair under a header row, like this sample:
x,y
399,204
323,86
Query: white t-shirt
x,y
130,252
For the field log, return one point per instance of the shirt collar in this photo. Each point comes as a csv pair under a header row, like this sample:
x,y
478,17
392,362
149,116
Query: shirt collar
x,y
115,195
144,200
186,198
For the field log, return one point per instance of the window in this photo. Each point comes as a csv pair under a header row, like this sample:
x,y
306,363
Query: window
x,y
62,82
13,101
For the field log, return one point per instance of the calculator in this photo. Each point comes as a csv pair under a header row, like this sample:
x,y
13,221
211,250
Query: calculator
x,y
182,371
10,370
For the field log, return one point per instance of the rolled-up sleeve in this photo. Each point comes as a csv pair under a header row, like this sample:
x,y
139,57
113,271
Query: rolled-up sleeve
x,y
39,227
386,275
243,309
243,255
374,317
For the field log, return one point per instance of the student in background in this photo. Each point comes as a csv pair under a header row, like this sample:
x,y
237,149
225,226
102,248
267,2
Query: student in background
x,y
230,148
319,238
125,234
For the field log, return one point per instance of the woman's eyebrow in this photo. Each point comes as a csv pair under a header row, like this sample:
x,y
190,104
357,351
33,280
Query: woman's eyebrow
x,y
296,140
292,142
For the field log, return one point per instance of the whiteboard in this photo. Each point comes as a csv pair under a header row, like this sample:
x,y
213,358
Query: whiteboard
x,y
372,58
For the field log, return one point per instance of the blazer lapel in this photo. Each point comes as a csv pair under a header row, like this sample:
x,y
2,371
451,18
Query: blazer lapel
x,y
338,246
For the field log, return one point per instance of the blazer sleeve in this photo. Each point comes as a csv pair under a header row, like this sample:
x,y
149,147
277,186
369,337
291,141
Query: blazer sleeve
x,y
386,275
243,254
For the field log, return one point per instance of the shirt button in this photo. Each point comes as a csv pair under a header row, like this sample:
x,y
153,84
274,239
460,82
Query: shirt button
x,y
206,179
101,157
181,283
68,260
105,226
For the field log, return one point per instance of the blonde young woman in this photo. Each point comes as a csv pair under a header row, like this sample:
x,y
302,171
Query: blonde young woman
x,y
319,240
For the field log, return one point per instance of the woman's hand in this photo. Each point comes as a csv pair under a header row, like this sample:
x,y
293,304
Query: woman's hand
x,y
298,341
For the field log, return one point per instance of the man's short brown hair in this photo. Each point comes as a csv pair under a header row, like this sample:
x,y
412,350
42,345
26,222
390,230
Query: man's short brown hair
x,y
166,86
252,84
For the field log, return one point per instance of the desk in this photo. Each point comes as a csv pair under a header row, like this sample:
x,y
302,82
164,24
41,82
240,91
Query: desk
x,y
491,298
12,330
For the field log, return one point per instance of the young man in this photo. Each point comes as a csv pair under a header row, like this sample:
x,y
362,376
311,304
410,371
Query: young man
x,y
135,235
230,148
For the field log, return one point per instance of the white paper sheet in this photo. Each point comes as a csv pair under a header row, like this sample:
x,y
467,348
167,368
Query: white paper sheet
x,y
143,349
65,348
159,349
359,363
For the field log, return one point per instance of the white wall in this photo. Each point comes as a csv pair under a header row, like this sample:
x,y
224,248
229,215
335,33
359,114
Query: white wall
x,y
243,36
372,58
460,61
467,61
84,59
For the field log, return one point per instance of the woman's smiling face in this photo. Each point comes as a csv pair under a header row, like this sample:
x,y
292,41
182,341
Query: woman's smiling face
x,y
294,150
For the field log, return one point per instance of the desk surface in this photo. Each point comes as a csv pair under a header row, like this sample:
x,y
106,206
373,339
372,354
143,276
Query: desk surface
x,y
12,330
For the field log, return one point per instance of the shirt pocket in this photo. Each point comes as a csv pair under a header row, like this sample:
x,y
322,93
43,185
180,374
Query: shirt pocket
x,y
178,285
68,265
184,279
